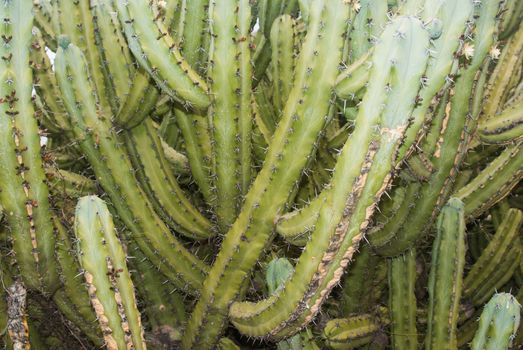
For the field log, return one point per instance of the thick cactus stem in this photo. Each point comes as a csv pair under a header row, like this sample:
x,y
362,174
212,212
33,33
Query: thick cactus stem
x,y
498,324
109,284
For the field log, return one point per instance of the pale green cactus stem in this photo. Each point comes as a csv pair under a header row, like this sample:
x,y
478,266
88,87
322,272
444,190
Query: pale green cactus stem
x,y
498,260
109,284
446,277
153,172
229,115
506,127
450,147
494,182
446,43
68,15
45,83
24,193
291,146
156,52
357,184
43,12
193,33
99,142
355,331
283,45
402,301
367,27
498,323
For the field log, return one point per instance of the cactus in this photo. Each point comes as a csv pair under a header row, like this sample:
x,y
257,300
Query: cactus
x,y
498,323
446,277
108,281
267,164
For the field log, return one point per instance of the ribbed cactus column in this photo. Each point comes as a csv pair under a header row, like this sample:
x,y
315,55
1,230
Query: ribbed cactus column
x,y
105,270
291,146
23,192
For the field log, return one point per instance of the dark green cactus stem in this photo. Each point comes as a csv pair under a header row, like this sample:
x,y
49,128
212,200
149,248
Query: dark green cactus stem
x,y
108,281
498,324
446,277
503,128
454,137
168,199
23,194
157,53
497,261
69,183
229,114
402,301
357,184
364,283
99,143
355,331
163,305
512,19
494,182
287,155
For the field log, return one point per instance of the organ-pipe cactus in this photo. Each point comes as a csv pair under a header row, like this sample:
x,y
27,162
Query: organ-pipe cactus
x,y
325,136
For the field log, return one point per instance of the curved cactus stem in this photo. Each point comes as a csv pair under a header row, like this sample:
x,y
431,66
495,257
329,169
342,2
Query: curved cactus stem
x,y
493,183
157,53
105,270
168,199
24,194
355,331
446,277
402,301
498,323
287,156
495,265
459,122
503,128
113,170
357,185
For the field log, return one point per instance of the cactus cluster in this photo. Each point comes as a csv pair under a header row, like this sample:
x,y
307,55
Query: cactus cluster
x,y
261,174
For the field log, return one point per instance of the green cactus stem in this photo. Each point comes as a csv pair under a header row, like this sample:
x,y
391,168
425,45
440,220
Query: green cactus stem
x,y
498,324
446,277
402,301
24,193
98,141
356,186
503,128
355,331
291,146
497,261
105,270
